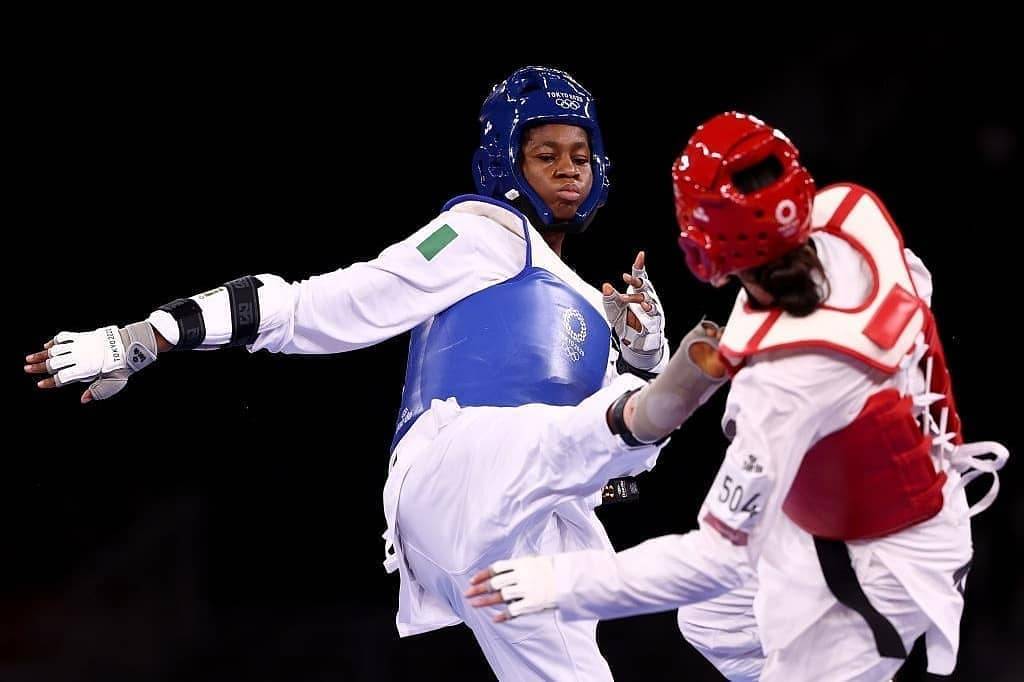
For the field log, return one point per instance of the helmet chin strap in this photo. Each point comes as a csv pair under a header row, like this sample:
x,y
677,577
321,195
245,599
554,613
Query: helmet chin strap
x,y
525,206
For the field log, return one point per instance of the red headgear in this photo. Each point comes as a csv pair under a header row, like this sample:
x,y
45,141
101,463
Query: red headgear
x,y
723,229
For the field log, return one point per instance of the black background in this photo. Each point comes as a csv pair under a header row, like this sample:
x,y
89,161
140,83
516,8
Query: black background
x,y
221,518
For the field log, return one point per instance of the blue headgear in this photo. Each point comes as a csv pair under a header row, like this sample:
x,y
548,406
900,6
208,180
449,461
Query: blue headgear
x,y
531,96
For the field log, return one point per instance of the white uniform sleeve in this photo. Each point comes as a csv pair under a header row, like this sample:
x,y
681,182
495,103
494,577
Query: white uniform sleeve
x,y
656,575
452,257
777,410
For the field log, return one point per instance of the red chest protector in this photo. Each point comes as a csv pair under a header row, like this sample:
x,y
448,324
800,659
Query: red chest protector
x,y
875,476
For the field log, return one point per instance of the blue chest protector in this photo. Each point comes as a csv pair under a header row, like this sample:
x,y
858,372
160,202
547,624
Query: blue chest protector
x,y
530,339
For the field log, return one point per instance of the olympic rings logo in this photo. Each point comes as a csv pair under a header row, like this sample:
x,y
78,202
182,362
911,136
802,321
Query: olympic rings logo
x,y
574,334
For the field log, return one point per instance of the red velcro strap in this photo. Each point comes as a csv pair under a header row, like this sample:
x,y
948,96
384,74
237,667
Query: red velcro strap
x,y
892,317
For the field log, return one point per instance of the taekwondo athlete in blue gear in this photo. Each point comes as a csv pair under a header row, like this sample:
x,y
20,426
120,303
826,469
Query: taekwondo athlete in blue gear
x,y
508,370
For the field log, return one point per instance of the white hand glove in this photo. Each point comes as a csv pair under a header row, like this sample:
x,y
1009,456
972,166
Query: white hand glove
x,y
641,348
527,585
106,357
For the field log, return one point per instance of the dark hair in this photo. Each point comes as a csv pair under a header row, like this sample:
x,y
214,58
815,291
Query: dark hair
x,y
795,280
758,176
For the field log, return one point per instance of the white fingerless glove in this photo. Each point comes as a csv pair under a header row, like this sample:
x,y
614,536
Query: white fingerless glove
x,y
641,349
106,357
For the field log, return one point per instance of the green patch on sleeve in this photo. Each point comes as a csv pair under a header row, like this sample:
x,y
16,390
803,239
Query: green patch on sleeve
x,y
432,245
